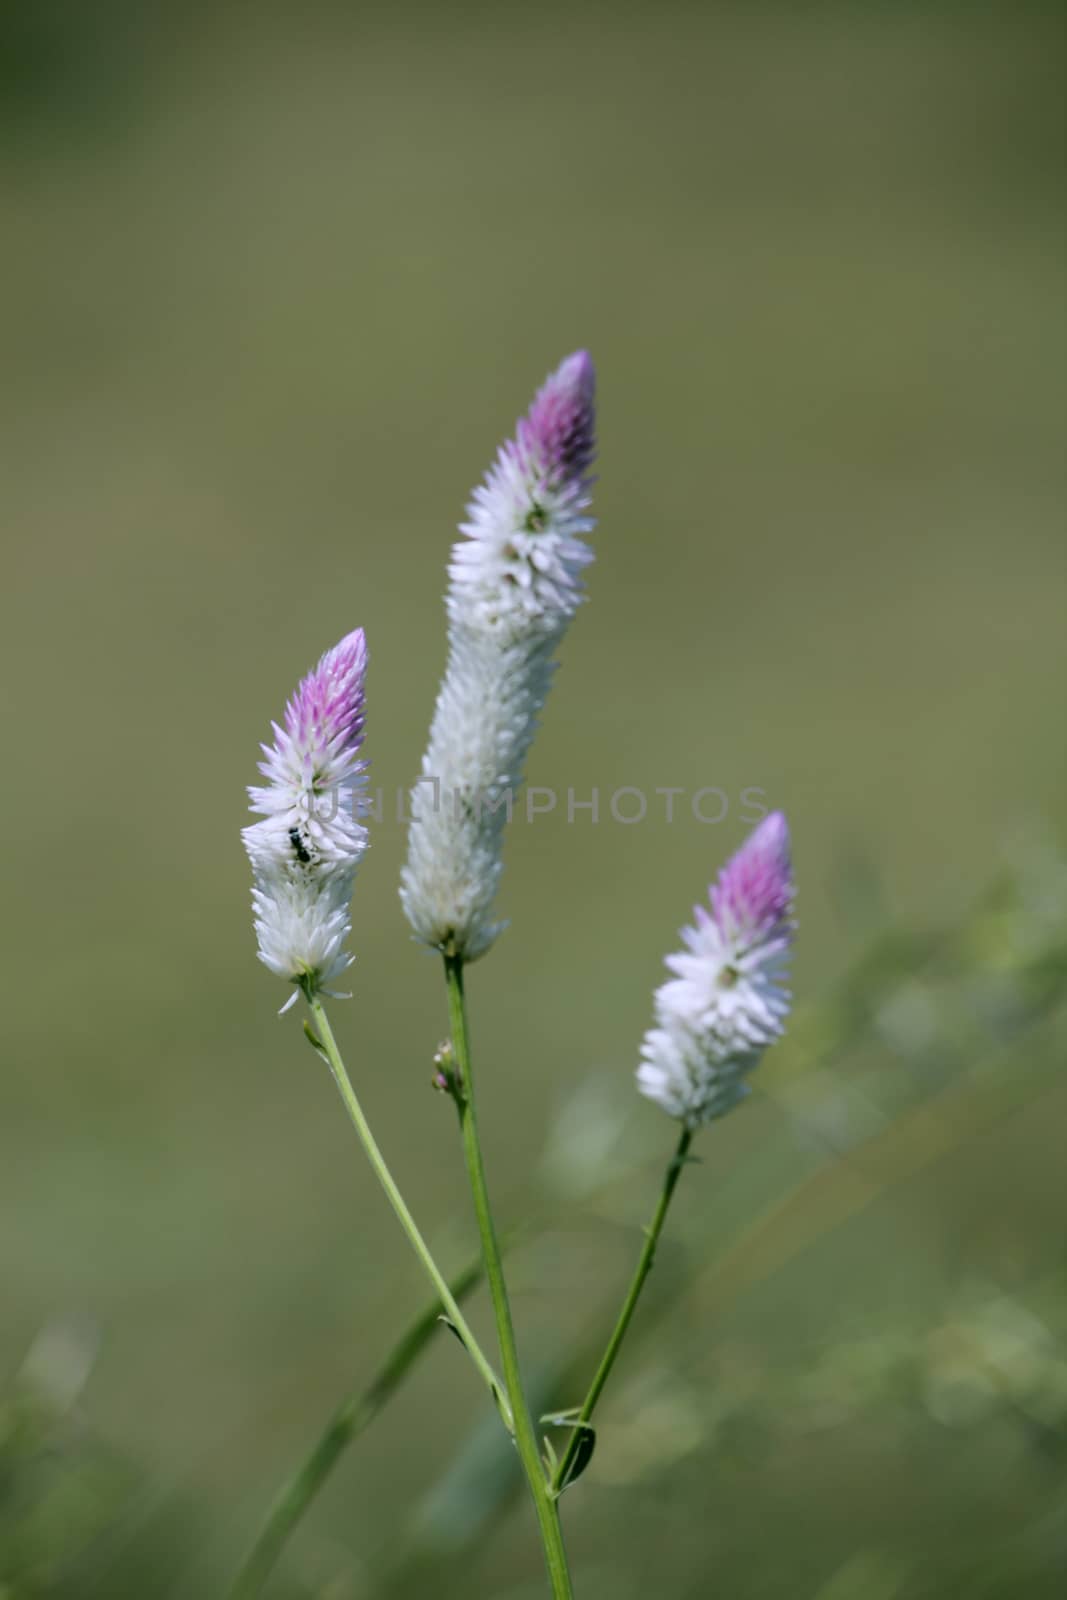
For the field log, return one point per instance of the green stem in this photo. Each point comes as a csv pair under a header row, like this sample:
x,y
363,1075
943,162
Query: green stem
x,y
525,1437
328,1047
347,1422
607,1360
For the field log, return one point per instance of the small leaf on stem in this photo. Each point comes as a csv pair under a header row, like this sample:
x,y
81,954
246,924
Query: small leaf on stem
x,y
582,1455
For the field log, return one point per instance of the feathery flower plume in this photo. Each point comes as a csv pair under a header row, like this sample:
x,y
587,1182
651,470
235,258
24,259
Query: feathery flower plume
x,y
725,1005
515,583
305,851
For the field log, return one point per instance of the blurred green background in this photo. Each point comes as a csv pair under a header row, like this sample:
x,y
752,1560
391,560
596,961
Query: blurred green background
x,y
277,282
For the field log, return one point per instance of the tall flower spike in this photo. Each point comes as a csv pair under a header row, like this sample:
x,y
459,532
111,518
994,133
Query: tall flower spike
x,y
305,851
515,583
726,1004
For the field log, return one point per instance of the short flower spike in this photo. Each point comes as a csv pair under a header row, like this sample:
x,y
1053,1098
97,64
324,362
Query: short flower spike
x,y
726,1004
305,851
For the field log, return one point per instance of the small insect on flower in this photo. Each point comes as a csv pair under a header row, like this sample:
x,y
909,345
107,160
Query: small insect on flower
x,y
306,849
726,1004
300,849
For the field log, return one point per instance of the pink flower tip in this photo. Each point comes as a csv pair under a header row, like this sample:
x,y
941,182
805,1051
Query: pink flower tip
x,y
328,706
754,891
557,435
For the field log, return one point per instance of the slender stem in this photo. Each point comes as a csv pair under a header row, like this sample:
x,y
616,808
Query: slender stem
x,y
347,1422
633,1294
355,1111
525,1437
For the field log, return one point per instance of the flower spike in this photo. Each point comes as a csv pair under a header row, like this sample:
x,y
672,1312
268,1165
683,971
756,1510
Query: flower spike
x,y
726,1003
305,851
515,582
